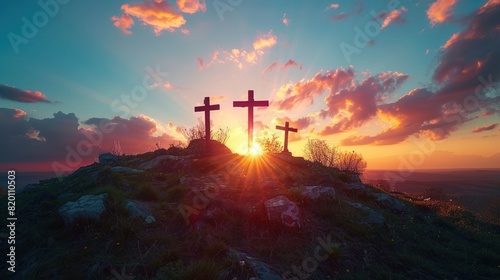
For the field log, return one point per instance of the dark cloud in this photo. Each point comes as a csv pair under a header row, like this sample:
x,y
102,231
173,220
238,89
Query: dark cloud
x,y
358,103
19,95
62,141
466,86
357,9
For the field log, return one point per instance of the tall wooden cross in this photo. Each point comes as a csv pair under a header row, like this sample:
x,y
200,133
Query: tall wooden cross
x,y
286,128
207,108
250,104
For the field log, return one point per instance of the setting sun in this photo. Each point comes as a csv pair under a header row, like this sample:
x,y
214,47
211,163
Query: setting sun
x,y
256,150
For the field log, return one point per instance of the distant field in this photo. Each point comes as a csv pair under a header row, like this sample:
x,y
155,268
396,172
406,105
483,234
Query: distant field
x,y
454,182
477,190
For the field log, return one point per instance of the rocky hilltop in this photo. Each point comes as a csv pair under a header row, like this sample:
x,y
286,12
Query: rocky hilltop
x,y
175,214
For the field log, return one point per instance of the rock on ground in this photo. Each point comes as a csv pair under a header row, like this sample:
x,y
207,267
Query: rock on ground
x,y
197,147
314,192
284,210
139,210
87,206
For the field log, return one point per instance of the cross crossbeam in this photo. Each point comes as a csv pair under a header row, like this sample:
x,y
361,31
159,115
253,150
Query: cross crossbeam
x,y
287,129
207,108
251,103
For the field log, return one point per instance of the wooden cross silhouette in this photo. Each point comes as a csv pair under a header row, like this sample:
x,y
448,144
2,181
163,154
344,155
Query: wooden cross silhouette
x,y
286,128
250,104
207,108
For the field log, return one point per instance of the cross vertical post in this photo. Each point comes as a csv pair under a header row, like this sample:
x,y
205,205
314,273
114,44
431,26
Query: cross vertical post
x,y
207,108
251,103
286,128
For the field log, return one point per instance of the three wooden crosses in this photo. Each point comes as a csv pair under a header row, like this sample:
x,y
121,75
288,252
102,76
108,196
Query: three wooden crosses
x,y
250,103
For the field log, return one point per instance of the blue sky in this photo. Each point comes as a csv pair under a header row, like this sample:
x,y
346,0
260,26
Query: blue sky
x,y
87,56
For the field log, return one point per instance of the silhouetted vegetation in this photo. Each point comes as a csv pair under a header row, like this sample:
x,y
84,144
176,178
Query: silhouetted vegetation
x,y
270,144
317,150
198,132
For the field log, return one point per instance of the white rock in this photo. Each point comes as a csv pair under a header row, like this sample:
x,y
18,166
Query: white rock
x,y
282,209
87,206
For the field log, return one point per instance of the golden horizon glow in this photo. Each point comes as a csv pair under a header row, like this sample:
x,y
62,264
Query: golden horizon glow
x,y
255,150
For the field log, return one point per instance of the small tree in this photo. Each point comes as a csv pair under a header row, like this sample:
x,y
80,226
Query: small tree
x,y
319,151
329,155
198,132
270,145
351,162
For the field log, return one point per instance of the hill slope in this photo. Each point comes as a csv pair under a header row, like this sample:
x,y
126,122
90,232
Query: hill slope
x,y
171,215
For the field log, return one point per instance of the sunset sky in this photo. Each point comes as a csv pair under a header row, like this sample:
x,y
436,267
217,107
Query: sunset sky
x,y
397,81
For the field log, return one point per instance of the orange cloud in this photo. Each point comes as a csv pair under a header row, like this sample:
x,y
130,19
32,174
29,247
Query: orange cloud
x,y
124,23
285,20
265,41
290,95
242,56
191,6
158,14
440,11
485,128
288,64
392,16
218,98
333,6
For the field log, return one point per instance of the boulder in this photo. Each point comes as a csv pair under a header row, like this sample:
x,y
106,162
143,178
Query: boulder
x,y
108,159
197,147
373,217
139,210
391,203
314,192
87,206
284,210
123,169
